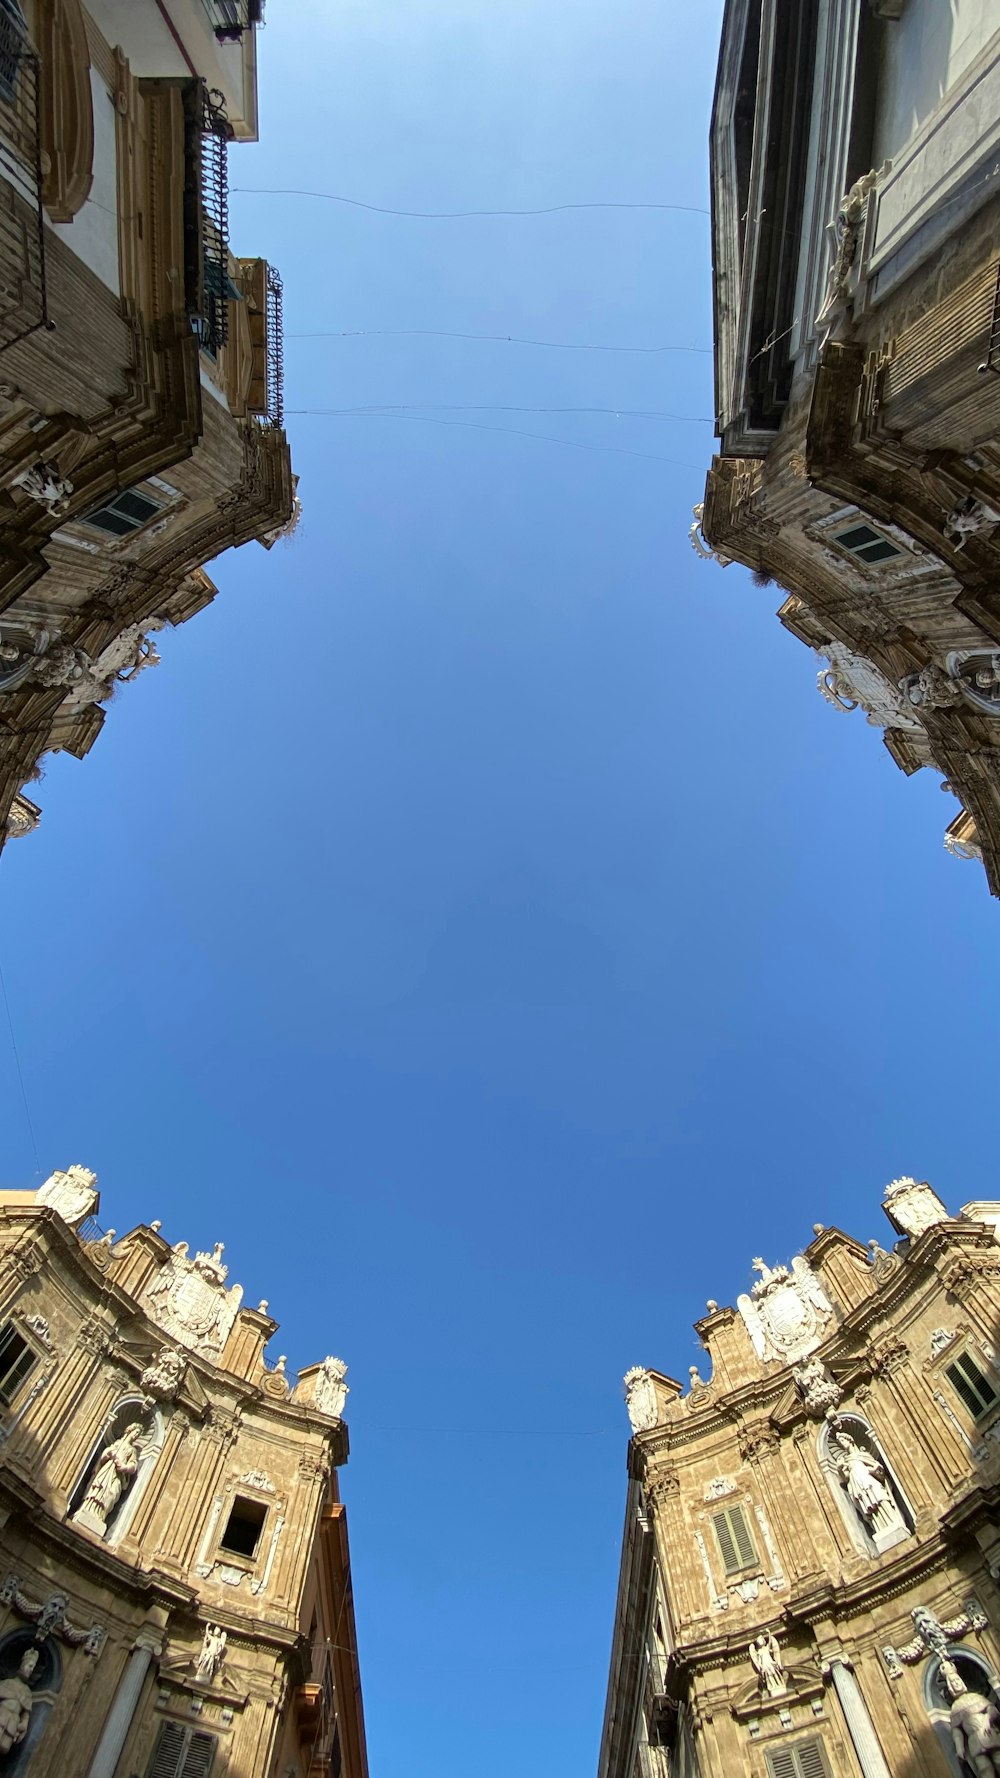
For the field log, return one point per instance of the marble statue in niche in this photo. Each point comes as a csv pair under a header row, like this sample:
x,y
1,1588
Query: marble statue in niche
x,y
15,1703
974,1723
113,1475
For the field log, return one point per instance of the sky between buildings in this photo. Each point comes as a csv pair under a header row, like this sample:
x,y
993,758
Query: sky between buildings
x,y
479,922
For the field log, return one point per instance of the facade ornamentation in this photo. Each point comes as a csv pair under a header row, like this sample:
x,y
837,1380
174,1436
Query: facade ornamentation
x,y
765,1658
275,1382
719,1487
16,1703
883,1264
974,1722
912,1206
889,1357
699,544
847,229
40,1327
787,1312
851,680
818,1389
258,1478
116,1470
331,1391
930,689
977,673
940,1338
212,1655
962,848
864,1481
91,681
188,1298
42,482
162,1378
640,1399
72,1193
970,518
933,1635
50,1617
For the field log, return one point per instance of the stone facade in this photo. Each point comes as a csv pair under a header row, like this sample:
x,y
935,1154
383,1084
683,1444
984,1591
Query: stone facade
x,y
173,1551
856,219
809,1580
140,362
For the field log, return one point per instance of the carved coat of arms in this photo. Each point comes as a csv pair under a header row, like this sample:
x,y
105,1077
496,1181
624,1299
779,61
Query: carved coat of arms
x,y
787,1311
189,1299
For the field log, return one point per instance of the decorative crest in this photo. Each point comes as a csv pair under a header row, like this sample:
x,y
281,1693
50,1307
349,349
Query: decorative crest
x,y
786,1312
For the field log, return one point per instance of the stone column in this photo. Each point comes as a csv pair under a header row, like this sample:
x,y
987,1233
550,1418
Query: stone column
x,y
119,1721
860,1727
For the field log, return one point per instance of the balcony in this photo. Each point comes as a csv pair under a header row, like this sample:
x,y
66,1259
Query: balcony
x,y
208,284
266,391
232,18
23,303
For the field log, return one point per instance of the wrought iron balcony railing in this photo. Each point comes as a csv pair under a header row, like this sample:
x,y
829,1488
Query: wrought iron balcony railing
x,y
216,290
231,18
23,297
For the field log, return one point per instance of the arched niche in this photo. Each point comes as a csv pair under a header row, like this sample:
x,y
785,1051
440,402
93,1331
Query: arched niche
x,y
122,1415
979,1677
872,1534
44,1685
67,107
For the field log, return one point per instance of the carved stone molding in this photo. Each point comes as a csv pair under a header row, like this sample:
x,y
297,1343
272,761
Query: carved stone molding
x,y
665,1486
888,1358
757,1442
49,1617
67,108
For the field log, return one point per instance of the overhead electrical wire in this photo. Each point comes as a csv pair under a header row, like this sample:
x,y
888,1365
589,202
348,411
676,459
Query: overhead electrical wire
x,y
507,339
496,407
511,431
333,197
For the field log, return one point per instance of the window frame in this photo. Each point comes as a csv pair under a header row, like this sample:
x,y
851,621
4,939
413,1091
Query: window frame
x,y
877,539
87,519
9,1329
954,1362
793,1751
226,1554
744,1568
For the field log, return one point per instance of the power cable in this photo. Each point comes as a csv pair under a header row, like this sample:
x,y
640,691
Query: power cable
x,y
333,197
511,431
507,339
374,408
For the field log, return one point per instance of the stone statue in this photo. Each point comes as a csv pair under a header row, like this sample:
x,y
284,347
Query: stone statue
x,y
640,1399
15,1703
213,1653
975,1724
765,1657
114,1475
818,1389
331,1391
863,1477
42,482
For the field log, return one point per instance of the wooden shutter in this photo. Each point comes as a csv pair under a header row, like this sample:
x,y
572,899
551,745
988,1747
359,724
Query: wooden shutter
x,y
735,1542
182,1753
973,1388
805,1759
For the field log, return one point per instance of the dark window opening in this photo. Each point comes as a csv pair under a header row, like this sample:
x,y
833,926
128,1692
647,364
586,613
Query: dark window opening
x,y
243,1527
123,513
973,1388
867,544
16,1359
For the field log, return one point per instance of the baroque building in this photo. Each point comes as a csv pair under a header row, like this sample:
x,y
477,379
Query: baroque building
x,y
809,1577
175,1580
140,361
856,281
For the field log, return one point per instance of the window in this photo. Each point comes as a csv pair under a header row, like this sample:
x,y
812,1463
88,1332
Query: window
x,y
16,1360
969,1383
805,1759
123,513
182,1753
866,543
243,1527
734,1539
13,45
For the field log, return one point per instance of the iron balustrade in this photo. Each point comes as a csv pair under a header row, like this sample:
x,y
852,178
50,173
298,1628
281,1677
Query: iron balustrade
x,y
212,322
231,18
275,414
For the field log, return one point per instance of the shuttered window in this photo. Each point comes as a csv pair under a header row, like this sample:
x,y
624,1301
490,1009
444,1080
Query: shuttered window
x,y
805,1759
16,1360
182,1753
736,1545
969,1383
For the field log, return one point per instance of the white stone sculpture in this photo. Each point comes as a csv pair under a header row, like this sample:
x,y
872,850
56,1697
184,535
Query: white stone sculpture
x,y
161,1379
116,1471
73,1194
850,680
188,1299
912,1206
331,1391
864,1481
123,659
15,1703
940,1338
786,1312
930,689
975,1724
765,1657
933,1635
818,1389
42,482
970,518
846,232
213,1653
699,544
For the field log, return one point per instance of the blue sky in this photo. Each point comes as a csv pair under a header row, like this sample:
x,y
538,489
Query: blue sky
x,y
479,922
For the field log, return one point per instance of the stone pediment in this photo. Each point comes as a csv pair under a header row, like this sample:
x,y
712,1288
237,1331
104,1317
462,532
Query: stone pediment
x,y
802,1683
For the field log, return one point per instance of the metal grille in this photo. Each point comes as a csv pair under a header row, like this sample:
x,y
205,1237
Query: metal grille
x,y
232,17
275,350
23,297
216,134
